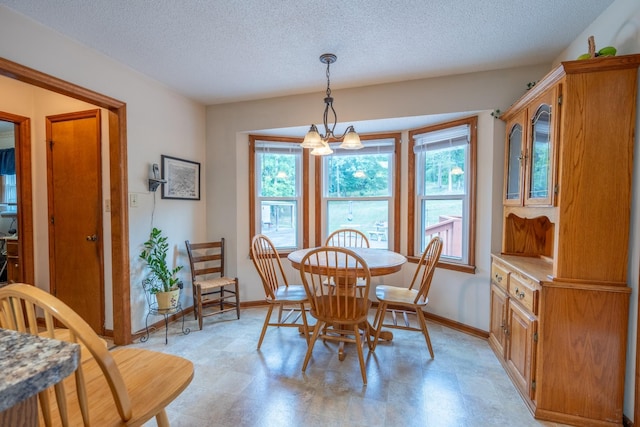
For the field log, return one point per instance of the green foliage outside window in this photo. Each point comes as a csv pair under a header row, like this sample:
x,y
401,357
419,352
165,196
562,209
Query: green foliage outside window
x,y
278,175
358,176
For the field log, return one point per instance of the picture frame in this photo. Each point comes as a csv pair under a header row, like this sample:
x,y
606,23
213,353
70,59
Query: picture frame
x,y
182,178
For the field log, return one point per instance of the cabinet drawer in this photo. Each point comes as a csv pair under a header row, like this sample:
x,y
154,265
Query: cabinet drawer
x,y
524,291
499,276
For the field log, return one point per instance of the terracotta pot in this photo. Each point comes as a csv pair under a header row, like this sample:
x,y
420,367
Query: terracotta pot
x,y
168,300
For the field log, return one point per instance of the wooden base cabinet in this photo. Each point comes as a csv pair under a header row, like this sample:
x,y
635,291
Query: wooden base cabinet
x,y
559,294
566,355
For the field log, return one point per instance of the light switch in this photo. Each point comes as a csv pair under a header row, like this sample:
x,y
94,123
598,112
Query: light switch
x,y
133,200
107,205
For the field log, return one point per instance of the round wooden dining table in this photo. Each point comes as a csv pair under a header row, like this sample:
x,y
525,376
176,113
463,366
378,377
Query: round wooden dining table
x,y
380,261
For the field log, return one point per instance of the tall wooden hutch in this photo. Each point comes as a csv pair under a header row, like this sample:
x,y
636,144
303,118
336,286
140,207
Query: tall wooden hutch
x,y
559,294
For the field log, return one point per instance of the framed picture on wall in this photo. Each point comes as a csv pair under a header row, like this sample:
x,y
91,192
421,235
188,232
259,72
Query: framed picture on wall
x,y
182,179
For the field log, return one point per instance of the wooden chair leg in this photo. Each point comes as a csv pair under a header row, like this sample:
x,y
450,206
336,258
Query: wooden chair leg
x,y
363,371
425,331
266,324
161,419
237,300
314,338
195,302
382,308
304,322
199,292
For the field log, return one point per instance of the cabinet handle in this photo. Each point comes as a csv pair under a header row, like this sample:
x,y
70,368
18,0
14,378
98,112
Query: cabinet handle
x,y
519,294
498,278
92,238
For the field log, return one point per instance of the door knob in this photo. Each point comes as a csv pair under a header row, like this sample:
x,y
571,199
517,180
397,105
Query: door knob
x,y
92,238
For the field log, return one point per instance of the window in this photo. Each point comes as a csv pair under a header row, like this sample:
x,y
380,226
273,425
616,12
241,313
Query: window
x,y
359,190
277,173
442,191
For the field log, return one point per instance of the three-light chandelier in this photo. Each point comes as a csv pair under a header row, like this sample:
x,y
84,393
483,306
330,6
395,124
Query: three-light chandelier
x,y
319,142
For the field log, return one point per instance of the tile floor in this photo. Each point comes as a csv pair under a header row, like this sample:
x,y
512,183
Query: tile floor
x,y
236,385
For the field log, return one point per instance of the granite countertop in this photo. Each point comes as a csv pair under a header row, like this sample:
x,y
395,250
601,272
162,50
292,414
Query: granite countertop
x,y
30,364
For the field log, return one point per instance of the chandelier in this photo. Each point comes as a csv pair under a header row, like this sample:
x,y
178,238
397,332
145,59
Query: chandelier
x,y
319,142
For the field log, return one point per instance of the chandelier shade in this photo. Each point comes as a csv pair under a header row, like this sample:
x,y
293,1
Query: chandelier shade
x,y
319,143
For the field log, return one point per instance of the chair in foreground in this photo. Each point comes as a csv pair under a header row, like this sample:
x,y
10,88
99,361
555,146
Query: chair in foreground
x,y
210,286
278,292
409,300
339,312
347,238
126,386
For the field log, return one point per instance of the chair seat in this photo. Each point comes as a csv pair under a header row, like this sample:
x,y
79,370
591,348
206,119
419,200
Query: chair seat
x,y
292,293
218,282
149,390
399,296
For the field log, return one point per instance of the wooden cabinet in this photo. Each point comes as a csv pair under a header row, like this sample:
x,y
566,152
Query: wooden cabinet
x,y
14,274
559,294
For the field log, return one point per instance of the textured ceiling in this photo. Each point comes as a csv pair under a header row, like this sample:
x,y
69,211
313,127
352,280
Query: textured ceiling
x,y
233,50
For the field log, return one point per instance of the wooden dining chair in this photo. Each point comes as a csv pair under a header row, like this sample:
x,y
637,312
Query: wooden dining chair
x,y
411,300
290,299
347,238
211,288
339,312
123,387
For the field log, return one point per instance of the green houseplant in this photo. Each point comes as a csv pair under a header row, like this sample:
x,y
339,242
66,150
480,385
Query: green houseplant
x,y
165,279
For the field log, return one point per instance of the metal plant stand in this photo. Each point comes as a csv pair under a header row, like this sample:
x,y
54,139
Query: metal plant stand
x,y
155,311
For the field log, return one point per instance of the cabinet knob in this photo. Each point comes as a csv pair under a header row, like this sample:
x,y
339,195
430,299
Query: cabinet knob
x,y
498,278
92,238
519,294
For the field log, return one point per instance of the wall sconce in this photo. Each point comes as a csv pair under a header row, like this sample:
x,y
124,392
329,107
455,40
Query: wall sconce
x,y
154,178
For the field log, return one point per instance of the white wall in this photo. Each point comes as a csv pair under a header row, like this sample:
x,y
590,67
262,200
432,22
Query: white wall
x,y
619,26
457,296
159,121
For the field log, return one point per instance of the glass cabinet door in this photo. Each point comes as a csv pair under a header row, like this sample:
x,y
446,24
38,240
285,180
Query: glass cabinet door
x,y
514,167
540,149
539,173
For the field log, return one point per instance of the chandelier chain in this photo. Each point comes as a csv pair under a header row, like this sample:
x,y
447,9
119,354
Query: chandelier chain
x,y
328,80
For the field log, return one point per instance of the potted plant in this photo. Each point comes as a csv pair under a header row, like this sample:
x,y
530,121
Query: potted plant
x,y
165,285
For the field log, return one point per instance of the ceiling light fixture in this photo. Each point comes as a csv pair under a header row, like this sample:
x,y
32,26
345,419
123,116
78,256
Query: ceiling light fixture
x,y
319,142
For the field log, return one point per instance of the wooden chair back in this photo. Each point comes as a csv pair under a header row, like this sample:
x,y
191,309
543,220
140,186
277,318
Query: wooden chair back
x,y
19,307
425,269
206,258
343,268
266,259
125,386
347,238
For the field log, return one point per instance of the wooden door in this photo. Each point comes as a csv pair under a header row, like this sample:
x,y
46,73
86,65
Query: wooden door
x,y
75,213
498,318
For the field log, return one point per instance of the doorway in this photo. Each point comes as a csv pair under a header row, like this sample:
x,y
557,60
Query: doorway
x,y
75,214
18,212
118,185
